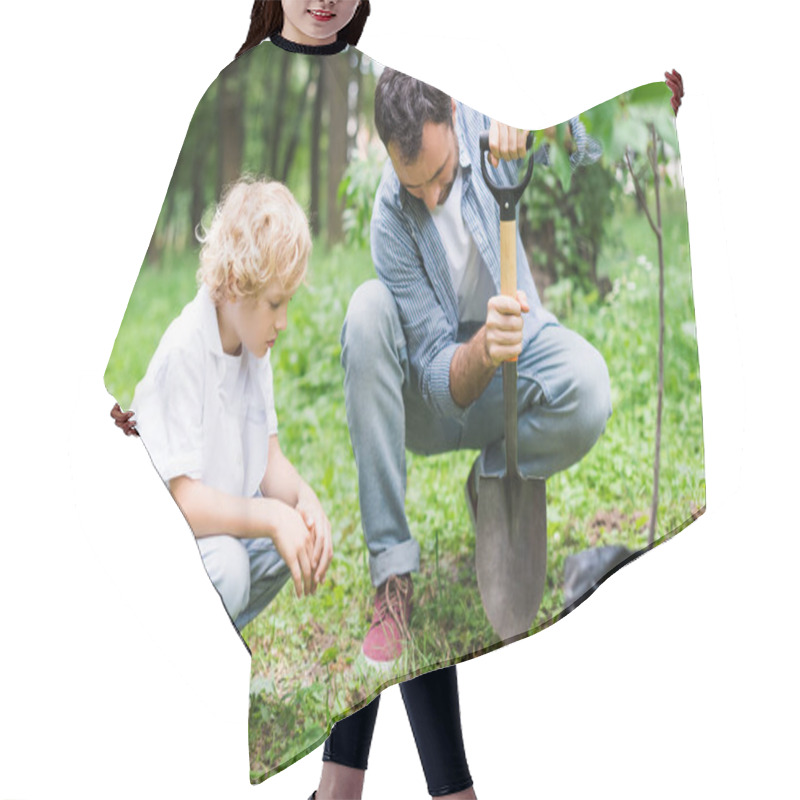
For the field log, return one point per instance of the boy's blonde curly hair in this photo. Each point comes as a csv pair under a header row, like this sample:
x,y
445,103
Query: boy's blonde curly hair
x,y
259,233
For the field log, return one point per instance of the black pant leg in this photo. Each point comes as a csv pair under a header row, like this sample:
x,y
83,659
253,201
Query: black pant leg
x,y
351,737
433,710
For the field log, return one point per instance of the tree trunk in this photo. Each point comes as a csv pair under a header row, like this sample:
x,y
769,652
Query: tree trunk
x,y
316,133
155,248
337,101
277,111
198,203
230,108
359,82
297,127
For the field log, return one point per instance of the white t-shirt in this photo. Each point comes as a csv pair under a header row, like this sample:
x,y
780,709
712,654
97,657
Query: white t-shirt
x,y
471,278
202,412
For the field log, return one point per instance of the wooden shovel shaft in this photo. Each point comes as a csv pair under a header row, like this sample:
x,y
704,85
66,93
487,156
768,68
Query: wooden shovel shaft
x,y
510,403
508,287
508,258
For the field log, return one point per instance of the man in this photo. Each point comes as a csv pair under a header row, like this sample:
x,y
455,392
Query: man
x,y
423,343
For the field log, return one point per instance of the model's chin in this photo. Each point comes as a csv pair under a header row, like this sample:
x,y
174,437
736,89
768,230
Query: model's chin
x,y
320,37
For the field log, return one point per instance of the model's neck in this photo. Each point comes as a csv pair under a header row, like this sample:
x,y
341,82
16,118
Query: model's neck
x,y
336,46
294,34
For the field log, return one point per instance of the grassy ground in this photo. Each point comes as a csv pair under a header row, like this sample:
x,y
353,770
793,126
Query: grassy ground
x,y
305,666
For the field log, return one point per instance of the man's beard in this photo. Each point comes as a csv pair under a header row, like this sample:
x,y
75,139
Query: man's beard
x,y
450,185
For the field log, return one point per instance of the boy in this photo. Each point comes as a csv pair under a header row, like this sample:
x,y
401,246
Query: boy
x,y
206,413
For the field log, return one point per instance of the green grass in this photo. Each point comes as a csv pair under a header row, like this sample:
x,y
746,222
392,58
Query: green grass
x,y
305,668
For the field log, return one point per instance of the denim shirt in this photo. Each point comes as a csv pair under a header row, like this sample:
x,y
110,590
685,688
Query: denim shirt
x,y
410,258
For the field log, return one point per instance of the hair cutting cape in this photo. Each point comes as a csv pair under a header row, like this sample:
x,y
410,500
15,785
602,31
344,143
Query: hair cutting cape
x,y
588,225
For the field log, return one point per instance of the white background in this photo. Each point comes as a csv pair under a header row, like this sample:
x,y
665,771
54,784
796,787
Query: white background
x,y
121,676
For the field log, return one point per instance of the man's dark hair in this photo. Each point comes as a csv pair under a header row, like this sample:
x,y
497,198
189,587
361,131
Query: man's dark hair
x,y
402,107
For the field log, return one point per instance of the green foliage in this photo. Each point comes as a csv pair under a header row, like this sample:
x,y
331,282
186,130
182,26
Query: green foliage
x,y
358,187
564,230
157,298
623,122
565,213
559,158
260,111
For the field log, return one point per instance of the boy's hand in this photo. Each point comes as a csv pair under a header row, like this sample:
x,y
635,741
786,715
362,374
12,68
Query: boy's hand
x,y
295,542
506,142
504,326
310,508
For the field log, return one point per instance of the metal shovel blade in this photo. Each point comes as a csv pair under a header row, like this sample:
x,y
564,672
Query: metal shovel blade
x,y
511,550
511,539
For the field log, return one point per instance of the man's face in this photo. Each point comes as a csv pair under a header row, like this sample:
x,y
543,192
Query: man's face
x,y
431,176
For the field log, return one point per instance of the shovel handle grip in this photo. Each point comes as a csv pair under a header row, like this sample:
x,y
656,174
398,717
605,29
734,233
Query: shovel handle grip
x,y
506,196
483,140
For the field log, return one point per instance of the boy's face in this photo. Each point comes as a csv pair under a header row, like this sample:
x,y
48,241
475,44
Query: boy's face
x,y
257,322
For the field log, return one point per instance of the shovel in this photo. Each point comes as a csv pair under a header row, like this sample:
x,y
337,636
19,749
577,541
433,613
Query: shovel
x,y
511,539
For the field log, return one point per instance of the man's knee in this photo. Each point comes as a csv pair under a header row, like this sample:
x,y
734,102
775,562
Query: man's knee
x,y
370,320
593,391
228,565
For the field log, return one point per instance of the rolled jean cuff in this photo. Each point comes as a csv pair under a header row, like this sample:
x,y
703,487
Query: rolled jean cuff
x,y
396,560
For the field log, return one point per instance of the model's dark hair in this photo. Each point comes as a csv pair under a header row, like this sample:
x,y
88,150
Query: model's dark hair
x,y
402,107
266,19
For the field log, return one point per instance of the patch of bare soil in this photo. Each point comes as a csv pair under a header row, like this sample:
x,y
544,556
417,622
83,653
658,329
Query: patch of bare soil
x,y
612,519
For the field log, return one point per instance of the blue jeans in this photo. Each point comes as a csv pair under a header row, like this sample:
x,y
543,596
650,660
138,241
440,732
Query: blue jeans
x,y
247,573
564,401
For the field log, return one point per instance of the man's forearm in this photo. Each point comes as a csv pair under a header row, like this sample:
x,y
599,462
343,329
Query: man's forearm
x,y
471,369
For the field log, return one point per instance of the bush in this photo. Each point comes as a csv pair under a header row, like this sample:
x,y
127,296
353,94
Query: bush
x,y
563,231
